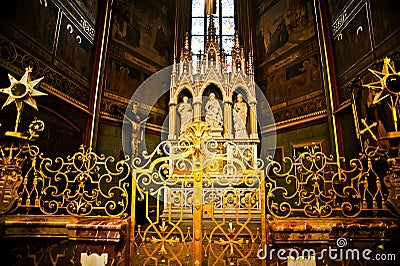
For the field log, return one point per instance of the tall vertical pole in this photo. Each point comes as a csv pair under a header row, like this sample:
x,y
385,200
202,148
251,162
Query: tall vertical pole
x,y
98,72
328,76
264,225
131,231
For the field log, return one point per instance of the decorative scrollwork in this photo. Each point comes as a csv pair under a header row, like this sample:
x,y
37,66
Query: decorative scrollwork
x,y
84,184
316,185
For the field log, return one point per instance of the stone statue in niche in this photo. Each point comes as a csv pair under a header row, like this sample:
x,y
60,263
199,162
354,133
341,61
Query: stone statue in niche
x,y
213,112
240,118
186,112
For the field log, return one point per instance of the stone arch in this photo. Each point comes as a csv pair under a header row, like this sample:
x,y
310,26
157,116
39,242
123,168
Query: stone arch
x,y
212,87
183,92
241,86
180,89
210,83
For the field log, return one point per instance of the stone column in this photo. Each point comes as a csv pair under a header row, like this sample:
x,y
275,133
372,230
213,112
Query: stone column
x,y
197,108
172,121
228,120
253,121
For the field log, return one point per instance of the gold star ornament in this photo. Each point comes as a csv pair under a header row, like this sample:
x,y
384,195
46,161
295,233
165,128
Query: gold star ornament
x,y
22,91
387,88
389,82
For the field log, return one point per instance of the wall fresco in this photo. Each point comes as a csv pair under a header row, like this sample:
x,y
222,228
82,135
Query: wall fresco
x,y
289,70
282,27
143,27
35,20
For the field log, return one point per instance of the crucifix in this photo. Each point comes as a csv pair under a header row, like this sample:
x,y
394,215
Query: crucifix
x,y
210,7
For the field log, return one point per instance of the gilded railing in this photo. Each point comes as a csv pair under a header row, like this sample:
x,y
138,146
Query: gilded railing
x,y
311,184
17,158
84,184
315,185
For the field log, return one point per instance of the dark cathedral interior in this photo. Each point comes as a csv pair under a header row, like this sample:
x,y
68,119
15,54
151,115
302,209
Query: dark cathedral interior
x,y
200,132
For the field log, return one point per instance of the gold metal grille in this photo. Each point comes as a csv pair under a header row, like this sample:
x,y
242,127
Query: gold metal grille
x,y
315,185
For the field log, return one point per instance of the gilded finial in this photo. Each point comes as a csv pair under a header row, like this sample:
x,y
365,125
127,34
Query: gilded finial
x,y
187,41
22,91
386,88
237,42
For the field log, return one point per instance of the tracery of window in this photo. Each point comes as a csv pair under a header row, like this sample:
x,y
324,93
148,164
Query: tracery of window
x,y
224,20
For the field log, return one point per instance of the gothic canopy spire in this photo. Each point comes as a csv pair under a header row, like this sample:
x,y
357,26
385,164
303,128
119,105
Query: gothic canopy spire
x,y
212,30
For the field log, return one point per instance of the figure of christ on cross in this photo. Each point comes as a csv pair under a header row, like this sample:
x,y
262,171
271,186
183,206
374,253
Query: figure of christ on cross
x,y
136,127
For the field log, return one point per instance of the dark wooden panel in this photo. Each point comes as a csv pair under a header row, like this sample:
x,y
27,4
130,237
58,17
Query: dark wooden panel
x,y
353,42
385,19
74,49
32,18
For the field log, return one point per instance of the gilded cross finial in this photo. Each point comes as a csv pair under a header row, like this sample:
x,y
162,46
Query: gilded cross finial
x,y
368,128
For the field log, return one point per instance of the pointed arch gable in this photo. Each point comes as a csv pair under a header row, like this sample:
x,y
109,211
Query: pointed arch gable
x,y
239,82
212,78
184,84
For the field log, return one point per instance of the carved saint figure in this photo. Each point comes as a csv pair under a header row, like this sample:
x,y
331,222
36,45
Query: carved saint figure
x,y
240,117
213,112
186,112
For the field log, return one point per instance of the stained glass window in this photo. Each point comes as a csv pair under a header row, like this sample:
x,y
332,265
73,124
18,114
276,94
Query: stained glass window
x,y
197,44
228,8
228,26
197,26
228,42
224,20
198,8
